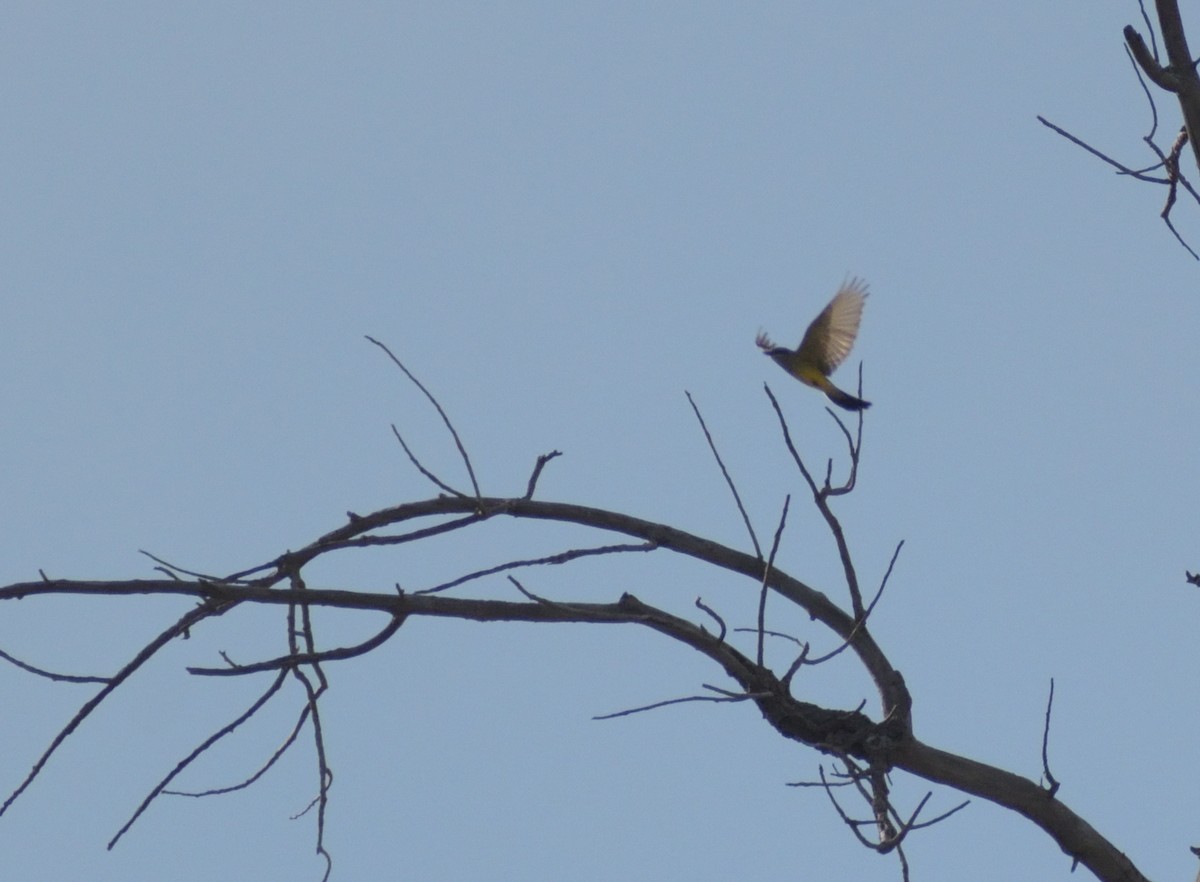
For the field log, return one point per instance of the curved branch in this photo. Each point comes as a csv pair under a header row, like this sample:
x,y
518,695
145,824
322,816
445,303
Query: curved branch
x,y
286,662
192,617
462,451
1073,834
196,752
1179,76
839,733
896,703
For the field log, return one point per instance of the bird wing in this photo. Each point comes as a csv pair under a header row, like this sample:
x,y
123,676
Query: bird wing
x,y
829,338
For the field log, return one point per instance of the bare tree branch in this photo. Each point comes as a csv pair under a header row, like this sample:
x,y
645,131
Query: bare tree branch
x,y
1051,782
720,621
728,480
192,617
191,757
561,558
762,593
50,675
278,753
537,471
285,662
821,498
670,701
412,457
445,419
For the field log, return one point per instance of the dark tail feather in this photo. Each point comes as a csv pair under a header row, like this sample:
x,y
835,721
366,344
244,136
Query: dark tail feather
x,y
847,401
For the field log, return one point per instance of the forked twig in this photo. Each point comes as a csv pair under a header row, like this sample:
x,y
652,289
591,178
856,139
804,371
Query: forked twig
x,y
445,419
192,617
191,757
276,755
821,499
1179,78
412,457
859,624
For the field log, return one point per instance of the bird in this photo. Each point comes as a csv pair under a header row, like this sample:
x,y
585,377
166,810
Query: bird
x,y
826,344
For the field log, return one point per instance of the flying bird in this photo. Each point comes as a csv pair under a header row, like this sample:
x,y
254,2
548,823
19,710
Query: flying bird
x,y
826,344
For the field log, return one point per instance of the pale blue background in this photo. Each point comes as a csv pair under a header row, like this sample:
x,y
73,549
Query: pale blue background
x,y
562,216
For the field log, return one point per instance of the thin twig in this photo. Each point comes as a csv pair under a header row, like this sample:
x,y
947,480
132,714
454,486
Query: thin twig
x,y
1175,177
690,698
412,457
962,805
793,638
288,561
287,661
904,877
1149,29
1051,781
728,480
1123,169
1137,71
846,819
50,675
560,558
147,652
313,693
720,621
324,775
537,598
174,569
796,664
766,579
853,445
821,499
859,624
537,471
262,770
445,419
201,748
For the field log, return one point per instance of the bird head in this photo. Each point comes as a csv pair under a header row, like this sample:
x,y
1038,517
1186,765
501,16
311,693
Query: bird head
x,y
769,348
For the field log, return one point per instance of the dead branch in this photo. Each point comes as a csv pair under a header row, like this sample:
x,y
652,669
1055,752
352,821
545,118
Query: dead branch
x,y
821,499
1051,782
869,749
671,701
762,593
50,675
196,753
278,753
462,451
553,559
285,662
189,619
728,480
720,621
412,457
537,471
1178,77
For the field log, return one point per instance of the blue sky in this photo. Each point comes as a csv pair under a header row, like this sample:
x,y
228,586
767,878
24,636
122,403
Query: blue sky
x,y
561,217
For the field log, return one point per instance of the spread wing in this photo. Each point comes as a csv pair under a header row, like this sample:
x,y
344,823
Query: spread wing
x,y
829,338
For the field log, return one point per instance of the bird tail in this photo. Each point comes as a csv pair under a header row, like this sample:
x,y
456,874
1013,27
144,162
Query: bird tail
x,y
845,400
